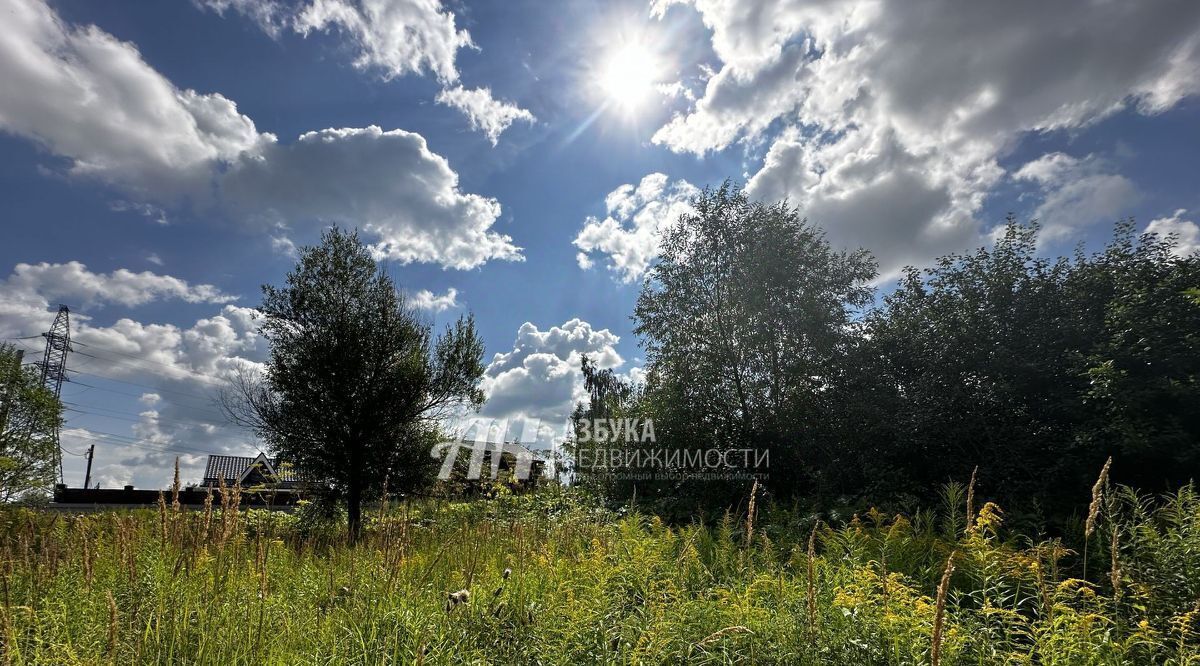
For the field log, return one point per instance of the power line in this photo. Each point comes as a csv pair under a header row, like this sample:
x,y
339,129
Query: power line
x,y
134,359
37,350
155,419
145,386
139,414
215,415
181,405
131,359
122,440
54,371
90,437
77,383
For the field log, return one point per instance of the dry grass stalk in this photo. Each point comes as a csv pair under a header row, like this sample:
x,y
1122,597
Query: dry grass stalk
x,y
112,626
4,649
231,498
1044,590
1093,516
971,500
812,581
131,541
738,629
88,555
262,556
383,501
118,541
1115,550
208,514
752,507
175,507
235,502
175,488
1097,498
224,510
939,613
162,518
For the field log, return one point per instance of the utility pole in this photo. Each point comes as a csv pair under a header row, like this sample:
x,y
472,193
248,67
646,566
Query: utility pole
x,y
87,477
54,365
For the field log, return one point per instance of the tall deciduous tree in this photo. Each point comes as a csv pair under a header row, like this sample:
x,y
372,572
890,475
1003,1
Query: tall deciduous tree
x,y
356,382
29,415
611,398
745,319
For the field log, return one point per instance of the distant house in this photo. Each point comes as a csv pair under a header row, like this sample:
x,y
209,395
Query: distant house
x,y
476,465
250,472
264,482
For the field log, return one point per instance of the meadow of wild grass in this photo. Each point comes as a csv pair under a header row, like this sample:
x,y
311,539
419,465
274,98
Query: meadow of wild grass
x,y
550,578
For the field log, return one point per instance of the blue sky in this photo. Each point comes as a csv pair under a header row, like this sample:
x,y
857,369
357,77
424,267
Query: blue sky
x,y
515,160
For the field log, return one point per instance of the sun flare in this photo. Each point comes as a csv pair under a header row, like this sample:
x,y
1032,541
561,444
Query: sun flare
x,y
629,75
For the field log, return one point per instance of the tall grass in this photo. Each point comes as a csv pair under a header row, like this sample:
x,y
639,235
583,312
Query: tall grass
x,y
550,579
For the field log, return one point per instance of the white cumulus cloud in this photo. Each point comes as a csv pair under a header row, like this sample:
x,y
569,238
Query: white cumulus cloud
x,y
142,393
397,37
91,99
1186,232
485,113
87,96
893,116
431,302
636,216
401,192
540,377
1076,192
32,289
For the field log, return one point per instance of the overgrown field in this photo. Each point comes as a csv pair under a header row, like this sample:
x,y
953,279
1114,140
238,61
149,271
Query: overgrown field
x,y
554,580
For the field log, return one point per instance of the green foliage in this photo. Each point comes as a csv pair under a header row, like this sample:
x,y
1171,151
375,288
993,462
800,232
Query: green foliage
x,y
29,415
747,319
610,397
320,520
355,382
552,579
1035,370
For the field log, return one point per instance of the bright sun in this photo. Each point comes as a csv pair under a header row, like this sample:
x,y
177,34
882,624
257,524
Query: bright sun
x,y
629,75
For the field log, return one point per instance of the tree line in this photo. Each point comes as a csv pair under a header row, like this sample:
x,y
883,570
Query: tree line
x,y
1026,371
758,332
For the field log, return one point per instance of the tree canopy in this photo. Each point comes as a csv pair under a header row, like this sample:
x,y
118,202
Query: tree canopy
x,y
758,333
1037,370
29,417
356,381
747,318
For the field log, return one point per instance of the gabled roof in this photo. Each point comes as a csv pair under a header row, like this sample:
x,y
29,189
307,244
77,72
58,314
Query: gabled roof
x,y
267,468
234,468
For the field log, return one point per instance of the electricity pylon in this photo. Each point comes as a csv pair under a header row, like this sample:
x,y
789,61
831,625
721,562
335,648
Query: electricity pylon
x,y
54,366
